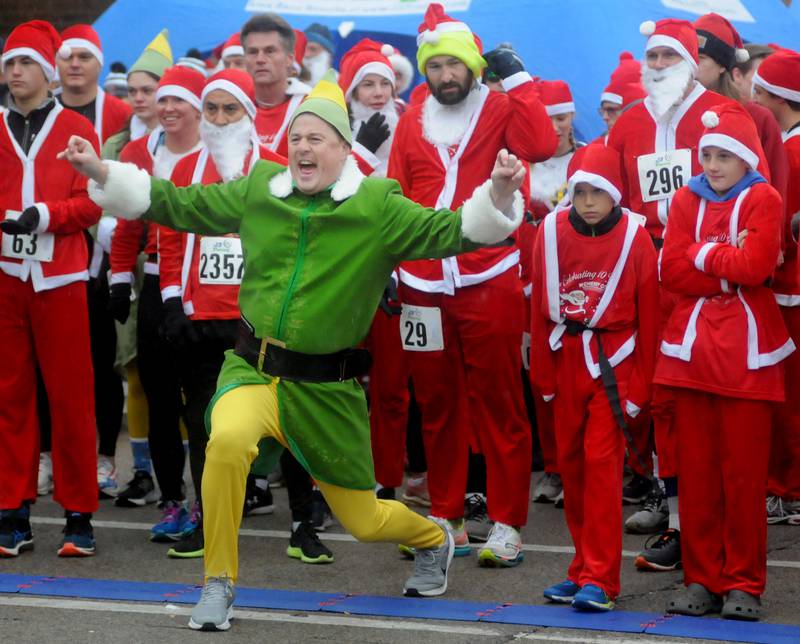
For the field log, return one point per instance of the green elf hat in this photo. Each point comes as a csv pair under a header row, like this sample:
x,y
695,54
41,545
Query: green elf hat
x,y
155,58
326,101
441,35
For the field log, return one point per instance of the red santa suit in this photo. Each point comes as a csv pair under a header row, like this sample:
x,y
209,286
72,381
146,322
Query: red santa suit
x,y
44,316
272,123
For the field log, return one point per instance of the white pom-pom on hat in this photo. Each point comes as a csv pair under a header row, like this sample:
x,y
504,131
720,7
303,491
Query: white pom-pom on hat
x,y
742,55
65,51
647,28
710,119
387,50
431,37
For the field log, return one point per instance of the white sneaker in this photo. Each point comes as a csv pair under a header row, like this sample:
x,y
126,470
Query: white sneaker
x,y
214,610
502,548
547,488
106,475
45,482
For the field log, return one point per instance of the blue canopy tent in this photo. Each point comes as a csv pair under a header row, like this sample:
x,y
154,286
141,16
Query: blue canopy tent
x,y
578,41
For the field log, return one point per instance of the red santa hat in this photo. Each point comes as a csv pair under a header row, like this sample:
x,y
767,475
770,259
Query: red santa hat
x,y
676,34
184,83
232,47
556,97
38,40
779,74
83,36
730,127
717,38
599,166
366,57
300,42
625,86
236,82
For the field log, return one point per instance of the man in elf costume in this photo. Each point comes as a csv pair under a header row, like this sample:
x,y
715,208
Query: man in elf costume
x,y
320,241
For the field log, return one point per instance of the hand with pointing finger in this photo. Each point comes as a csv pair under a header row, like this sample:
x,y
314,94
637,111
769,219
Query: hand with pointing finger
x,y
81,154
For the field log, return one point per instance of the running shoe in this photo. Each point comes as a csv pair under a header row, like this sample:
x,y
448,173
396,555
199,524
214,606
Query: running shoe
x,y
562,593
15,531
476,517
661,554
636,489
416,492
78,536
304,544
139,491
547,488
106,477
503,548
592,598
191,545
460,539
257,500
173,522
653,517
321,515
215,609
431,566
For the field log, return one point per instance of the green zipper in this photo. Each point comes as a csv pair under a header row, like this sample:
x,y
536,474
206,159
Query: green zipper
x,y
298,265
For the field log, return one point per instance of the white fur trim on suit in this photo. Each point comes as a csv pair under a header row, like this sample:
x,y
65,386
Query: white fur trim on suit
x,y
483,223
126,192
346,185
44,217
734,146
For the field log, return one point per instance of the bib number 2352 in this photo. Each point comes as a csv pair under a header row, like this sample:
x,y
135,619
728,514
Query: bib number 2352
x,y
421,328
663,173
221,260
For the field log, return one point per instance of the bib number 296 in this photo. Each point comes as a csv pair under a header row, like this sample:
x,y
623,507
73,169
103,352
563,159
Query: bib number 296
x,y
421,328
663,173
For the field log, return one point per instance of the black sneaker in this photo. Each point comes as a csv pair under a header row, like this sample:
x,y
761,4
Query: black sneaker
x,y
476,518
191,546
636,490
256,500
387,494
15,531
321,515
139,492
664,553
304,544
78,535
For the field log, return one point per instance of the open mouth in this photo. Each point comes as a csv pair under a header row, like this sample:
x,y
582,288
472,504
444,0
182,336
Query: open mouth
x,y
306,168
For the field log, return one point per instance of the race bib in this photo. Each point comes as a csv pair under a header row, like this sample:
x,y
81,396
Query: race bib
x,y
421,328
662,173
35,246
221,260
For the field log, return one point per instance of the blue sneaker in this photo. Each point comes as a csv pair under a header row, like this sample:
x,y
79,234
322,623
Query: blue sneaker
x,y
172,524
78,536
562,593
15,531
193,519
592,598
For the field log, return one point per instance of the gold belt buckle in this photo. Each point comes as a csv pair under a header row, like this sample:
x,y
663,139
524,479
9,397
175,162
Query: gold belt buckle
x,y
262,351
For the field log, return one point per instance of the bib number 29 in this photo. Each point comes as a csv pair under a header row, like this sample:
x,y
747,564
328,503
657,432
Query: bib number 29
x,y
421,328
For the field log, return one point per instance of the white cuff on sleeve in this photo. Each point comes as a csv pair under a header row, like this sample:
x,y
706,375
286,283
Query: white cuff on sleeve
x,y
126,192
481,222
170,291
700,258
367,156
44,217
515,80
121,278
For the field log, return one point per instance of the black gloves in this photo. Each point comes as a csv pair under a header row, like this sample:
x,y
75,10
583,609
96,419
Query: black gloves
x,y
176,327
503,62
24,225
119,302
390,298
373,132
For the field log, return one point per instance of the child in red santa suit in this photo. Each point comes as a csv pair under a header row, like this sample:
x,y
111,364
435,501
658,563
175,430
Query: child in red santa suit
x,y
594,334
721,355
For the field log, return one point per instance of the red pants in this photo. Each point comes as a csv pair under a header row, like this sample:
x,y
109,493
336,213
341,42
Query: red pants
x,y
545,425
470,393
784,461
388,399
723,451
591,453
51,328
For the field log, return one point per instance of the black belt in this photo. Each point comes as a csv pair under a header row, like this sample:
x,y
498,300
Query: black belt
x,y
270,357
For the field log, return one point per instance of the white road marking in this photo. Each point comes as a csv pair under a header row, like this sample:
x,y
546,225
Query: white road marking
x,y
548,636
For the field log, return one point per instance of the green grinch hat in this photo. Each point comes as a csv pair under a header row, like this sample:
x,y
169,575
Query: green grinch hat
x,y
155,58
326,101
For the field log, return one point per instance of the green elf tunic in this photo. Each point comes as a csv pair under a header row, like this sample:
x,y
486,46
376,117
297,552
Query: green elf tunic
x,y
315,270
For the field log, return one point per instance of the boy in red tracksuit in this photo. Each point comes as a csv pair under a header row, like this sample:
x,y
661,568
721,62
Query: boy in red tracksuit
x,y
721,357
594,320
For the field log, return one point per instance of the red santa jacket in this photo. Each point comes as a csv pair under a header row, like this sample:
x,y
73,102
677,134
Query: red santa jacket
x,y
436,176
786,282
111,115
272,124
59,193
726,334
204,271
607,282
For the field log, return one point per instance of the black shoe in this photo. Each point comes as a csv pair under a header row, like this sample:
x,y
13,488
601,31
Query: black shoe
x,y
191,546
321,515
476,518
387,494
78,536
636,490
15,531
304,544
139,492
256,500
664,553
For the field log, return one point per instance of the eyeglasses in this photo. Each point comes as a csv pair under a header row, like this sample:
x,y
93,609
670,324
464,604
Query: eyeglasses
x,y
611,111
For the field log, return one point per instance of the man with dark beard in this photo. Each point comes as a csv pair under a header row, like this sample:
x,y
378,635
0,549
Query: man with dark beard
x,y
463,317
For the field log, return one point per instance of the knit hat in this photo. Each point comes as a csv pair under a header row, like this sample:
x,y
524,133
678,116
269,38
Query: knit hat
x,y
441,35
321,35
403,69
156,57
599,166
676,34
365,57
327,102
625,85
300,42
38,40
779,74
232,47
717,38
730,127
236,82
555,96
193,60
183,83
83,36
117,77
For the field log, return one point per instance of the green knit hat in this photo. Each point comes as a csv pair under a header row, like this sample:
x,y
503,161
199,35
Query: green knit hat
x,y
326,101
155,58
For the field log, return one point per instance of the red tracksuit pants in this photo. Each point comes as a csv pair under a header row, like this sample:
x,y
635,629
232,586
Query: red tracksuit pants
x,y
388,399
50,328
723,452
545,425
470,394
784,460
591,454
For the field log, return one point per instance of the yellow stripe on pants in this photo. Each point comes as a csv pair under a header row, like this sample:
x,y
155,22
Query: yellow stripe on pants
x,y
239,420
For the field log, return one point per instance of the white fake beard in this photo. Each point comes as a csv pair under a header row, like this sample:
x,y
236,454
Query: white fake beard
x,y
317,66
361,113
666,87
228,145
447,124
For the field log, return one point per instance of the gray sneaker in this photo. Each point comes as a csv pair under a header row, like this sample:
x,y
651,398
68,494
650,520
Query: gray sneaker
x,y
652,518
430,570
547,488
214,610
476,517
781,511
